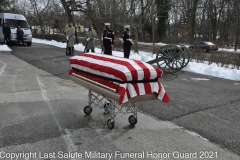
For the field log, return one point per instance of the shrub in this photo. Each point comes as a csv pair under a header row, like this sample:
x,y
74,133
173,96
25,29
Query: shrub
x,y
56,37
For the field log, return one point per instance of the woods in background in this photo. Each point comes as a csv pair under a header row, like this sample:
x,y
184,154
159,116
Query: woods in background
x,y
167,21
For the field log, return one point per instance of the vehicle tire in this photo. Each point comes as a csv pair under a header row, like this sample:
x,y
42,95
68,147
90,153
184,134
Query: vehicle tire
x,y
132,120
186,54
110,124
87,110
29,44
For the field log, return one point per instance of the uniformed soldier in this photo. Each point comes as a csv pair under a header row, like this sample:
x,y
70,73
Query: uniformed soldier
x,y
7,35
70,39
108,39
90,35
127,41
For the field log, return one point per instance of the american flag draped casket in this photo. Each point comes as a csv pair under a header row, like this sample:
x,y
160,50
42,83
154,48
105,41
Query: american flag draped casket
x,y
128,77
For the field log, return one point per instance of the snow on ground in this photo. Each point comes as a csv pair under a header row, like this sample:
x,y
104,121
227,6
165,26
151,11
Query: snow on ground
x,y
200,68
4,48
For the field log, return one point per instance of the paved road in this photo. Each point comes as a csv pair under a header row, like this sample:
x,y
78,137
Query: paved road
x,y
205,105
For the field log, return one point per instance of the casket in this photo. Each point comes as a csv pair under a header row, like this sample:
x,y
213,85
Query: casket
x,y
130,78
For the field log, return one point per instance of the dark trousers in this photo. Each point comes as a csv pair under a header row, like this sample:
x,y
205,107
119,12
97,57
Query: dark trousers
x,y
21,39
108,49
7,39
70,51
87,50
126,51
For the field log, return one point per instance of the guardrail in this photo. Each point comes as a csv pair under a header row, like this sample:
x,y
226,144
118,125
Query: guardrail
x,y
221,58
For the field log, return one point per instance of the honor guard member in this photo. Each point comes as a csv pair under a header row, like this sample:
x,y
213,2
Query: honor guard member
x,y
20,34
108,39
7,35
127,41
90,35
70,39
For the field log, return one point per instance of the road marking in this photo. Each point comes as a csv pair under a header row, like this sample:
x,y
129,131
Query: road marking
x,y
200,79
66,134
2,69
237,84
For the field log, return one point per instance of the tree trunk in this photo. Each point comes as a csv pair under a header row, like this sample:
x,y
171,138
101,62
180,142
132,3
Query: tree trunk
x,y
69,17
136,39
193,19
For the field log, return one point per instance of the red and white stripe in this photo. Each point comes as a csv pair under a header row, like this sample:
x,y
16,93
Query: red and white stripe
x,y
115,67
129,90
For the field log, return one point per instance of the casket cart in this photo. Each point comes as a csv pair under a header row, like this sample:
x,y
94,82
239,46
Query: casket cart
x,y
116,84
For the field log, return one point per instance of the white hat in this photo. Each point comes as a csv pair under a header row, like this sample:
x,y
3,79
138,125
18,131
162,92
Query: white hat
x,y
107,24
127,26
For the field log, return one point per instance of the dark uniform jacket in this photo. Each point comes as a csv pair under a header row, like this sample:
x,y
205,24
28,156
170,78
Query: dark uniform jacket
x,y
6,31
108,34
20,33
126,36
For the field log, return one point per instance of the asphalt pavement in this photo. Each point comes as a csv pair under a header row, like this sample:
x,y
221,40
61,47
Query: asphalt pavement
x,y
42,116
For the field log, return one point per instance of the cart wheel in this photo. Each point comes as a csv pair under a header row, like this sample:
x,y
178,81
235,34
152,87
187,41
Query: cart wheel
x,y
171,58
87,110
132,120
110,124
186,54
106,107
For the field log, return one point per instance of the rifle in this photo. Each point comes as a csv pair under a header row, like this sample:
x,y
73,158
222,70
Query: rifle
x,y
85,46
67,48
102,47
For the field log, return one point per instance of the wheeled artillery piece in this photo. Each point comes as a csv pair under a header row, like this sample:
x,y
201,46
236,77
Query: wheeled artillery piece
x,y
171,58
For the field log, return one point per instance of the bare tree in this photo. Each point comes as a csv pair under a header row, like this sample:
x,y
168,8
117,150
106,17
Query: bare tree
x,y
7,5
187,20
40,10
71,6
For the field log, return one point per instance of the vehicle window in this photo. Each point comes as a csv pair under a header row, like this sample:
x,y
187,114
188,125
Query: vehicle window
x,y
13,23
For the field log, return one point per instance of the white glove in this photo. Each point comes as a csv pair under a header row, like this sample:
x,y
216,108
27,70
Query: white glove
x,y
107,38
67,37
130,40
88,39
